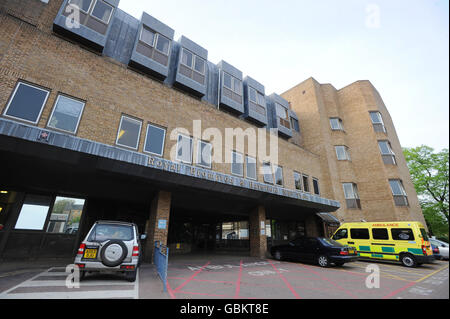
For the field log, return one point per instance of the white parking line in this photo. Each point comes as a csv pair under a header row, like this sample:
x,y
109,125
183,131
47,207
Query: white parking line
x,y
105,291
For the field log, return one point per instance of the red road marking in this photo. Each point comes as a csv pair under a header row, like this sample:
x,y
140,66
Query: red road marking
x,y
169,290
205,280
203,294
395,292
285,281
331,282
238,283
191,278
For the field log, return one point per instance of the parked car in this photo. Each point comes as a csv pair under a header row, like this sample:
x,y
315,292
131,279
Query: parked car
x,y
436,252
110,246
320,250
406,242
442,246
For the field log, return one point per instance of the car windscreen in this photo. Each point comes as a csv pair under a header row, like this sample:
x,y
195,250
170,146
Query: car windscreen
x,y
330,242
104,232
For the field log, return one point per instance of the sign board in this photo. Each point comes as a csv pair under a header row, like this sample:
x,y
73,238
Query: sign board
x,y
162,224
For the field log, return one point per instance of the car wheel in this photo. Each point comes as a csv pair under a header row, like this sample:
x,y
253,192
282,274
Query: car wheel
x,y
131,276
277,255
323,261
113,253
408,260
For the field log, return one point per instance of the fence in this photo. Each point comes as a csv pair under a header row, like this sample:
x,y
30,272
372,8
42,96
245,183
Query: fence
x,y
161,260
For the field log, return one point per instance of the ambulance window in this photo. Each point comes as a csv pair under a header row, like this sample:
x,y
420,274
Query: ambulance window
x,y
359,233
342,233
402,234
424,234
380,234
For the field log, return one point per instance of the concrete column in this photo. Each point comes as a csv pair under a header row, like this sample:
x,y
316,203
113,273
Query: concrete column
x,y
157,227
258,241
312,229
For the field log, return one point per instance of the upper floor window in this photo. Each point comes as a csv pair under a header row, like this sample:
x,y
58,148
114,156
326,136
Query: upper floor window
x,y
377,121
278,173
342,153
316,186
184,149
336,124
295,125
351,195
305,181
282,114
66,114
258,101
83,5
204,154
237,164
232,83
399,193
251,167
98,9
129,132
387,153
298,181
154,140
155,40
193,61
267,172
27,103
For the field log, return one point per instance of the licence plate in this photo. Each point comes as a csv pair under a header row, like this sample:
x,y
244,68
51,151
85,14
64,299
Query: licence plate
x,y
90,253
351,252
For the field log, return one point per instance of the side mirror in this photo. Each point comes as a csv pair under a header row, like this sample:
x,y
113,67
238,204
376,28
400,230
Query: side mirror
x,y
443,246
143,236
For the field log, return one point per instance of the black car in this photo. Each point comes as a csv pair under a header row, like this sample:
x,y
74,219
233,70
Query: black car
x,y
319,250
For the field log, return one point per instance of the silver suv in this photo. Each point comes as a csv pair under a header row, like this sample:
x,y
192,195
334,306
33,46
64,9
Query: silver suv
x,y
110,246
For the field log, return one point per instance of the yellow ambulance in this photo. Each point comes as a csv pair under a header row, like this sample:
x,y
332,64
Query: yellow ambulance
x,y
406,242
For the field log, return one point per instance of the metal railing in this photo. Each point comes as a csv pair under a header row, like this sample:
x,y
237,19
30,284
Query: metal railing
x,y
161,260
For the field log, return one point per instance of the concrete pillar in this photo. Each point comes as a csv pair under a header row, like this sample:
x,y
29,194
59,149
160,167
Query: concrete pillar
x,y
258,240
157,227
312,229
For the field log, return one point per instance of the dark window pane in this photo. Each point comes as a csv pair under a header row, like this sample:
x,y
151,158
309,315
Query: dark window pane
x,y
155,140
359,233
380,233
129,132
342,233
316,187
402,234
27,103
305,184
278,175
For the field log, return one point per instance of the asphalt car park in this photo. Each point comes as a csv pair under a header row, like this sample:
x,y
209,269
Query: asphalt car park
x,y
235,277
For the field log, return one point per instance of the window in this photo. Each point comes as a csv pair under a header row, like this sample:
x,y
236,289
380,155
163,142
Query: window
x,y
256,97
102,11
232,83
342,153
298,181
305,180
199,65
186,59
204,154
237,164
193,61
351,195
399,193
148,36
267,173
251,167
281,111
66,216
83,5
359,233
104,232
380,234
295,125
377,121
154,140
387,153
129,132
66,114
316,186
184,149
163,44
33,213
341,234
278,171
27,103
402,234
336,124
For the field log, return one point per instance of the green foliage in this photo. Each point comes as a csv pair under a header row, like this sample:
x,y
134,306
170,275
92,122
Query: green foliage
x,y
430,175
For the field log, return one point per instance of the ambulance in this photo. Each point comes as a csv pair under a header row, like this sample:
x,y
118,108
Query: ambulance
x,y
405,242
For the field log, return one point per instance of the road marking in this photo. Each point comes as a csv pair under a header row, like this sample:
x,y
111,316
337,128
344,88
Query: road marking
x,y
238,283
434,272
40,281
191,278
285,281
420,291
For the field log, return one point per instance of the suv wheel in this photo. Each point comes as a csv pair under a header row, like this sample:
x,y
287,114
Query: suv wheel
x,y
113,253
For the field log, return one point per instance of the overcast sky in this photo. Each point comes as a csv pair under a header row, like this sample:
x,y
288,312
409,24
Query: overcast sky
x,y
401,46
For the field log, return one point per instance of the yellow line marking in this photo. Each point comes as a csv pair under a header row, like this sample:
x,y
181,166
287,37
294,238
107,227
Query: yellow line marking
x,y
434,272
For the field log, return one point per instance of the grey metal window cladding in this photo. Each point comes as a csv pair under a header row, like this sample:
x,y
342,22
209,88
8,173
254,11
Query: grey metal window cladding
x,y
192,70
93,25
255,106
152,47
279,115
231,89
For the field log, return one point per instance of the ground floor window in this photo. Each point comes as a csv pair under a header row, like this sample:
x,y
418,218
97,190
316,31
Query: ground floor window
x,y
282,231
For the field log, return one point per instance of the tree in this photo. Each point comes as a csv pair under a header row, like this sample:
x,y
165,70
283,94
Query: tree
x,y
430,173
